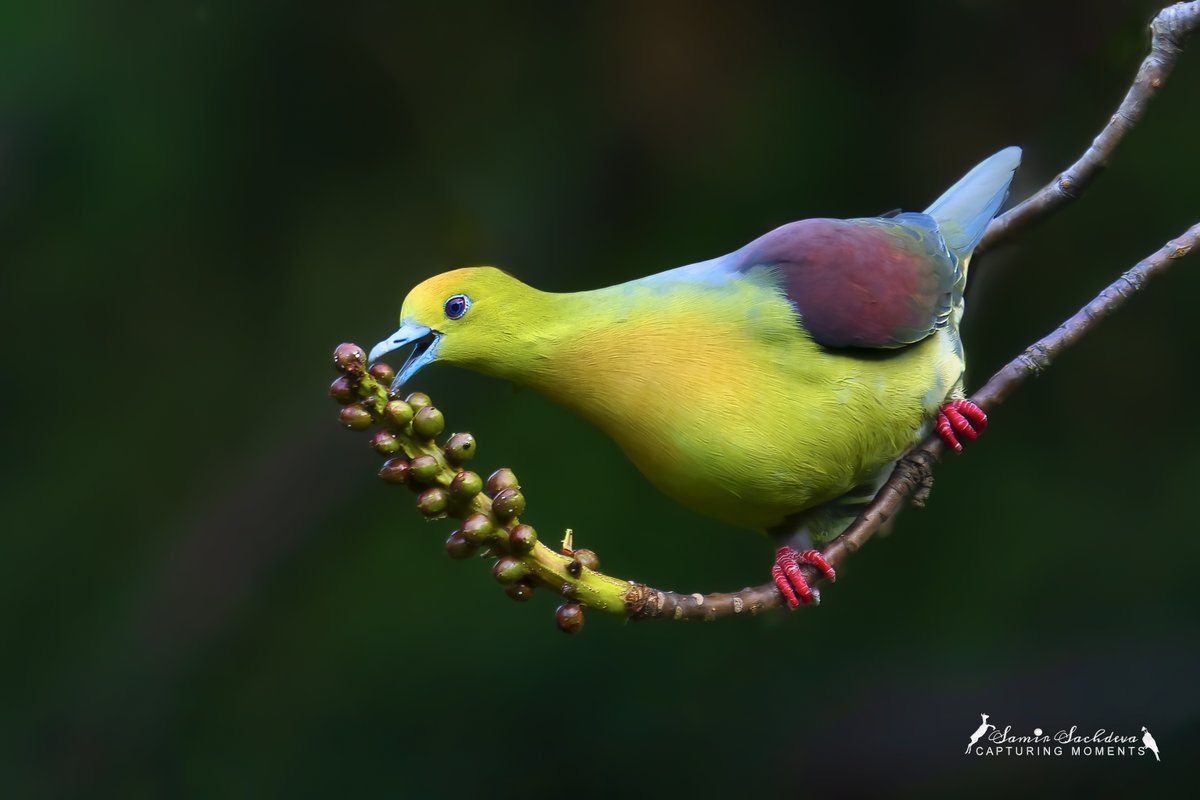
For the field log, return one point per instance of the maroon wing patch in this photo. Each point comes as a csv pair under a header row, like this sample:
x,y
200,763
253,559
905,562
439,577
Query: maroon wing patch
x,y
878,283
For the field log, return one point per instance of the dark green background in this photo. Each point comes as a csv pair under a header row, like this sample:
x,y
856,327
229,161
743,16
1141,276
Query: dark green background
x,y
205,592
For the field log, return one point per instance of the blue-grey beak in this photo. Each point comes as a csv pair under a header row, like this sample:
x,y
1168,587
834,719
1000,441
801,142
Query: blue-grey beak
x,y
425,343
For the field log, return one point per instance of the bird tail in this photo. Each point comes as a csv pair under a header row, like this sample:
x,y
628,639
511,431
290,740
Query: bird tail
x,y
966,208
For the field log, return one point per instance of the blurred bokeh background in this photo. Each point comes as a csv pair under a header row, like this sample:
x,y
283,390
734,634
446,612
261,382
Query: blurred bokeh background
x,y
205,591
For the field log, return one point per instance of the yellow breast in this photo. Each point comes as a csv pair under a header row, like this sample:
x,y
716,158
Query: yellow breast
x,y
724,403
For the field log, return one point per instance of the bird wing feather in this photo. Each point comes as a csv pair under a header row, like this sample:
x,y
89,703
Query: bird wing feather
x,y
861,283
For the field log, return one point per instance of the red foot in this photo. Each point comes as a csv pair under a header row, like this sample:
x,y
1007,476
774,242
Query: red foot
x,y
960,418
790,579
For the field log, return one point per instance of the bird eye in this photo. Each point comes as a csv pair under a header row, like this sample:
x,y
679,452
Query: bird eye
x,y
457,305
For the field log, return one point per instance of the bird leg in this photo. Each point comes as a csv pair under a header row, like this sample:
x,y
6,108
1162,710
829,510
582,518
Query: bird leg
x,y
790,580
960,418
821,524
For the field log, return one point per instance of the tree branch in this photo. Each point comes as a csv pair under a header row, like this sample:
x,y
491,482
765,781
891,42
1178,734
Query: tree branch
x,y
491,518
1169,30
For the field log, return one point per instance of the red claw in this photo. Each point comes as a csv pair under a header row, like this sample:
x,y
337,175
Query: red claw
x,y
790,580
960,418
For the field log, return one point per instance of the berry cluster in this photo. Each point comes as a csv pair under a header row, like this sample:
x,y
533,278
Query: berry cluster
x,y
490,511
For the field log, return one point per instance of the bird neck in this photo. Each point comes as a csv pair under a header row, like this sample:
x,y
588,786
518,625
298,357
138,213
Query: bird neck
x,y
603,353
557,336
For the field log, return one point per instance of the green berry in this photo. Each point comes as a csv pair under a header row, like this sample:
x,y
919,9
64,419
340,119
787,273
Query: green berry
x,y
501,479
395,470
425,468
520,591
398,413
460,448
385,443
569,617
509,570
466,485
355,417
382,373
477,528
522,538
418,400
433,502
508,504
459,546
428,422
349,358
343,390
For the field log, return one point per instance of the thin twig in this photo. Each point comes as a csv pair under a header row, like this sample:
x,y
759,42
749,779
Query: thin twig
x,y
1169,31
911,472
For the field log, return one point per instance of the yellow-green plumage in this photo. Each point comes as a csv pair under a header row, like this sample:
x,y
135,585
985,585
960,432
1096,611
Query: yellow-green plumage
x,y
717,395
708,378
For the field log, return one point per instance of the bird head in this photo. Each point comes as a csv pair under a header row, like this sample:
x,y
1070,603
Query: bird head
x,y
467,317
